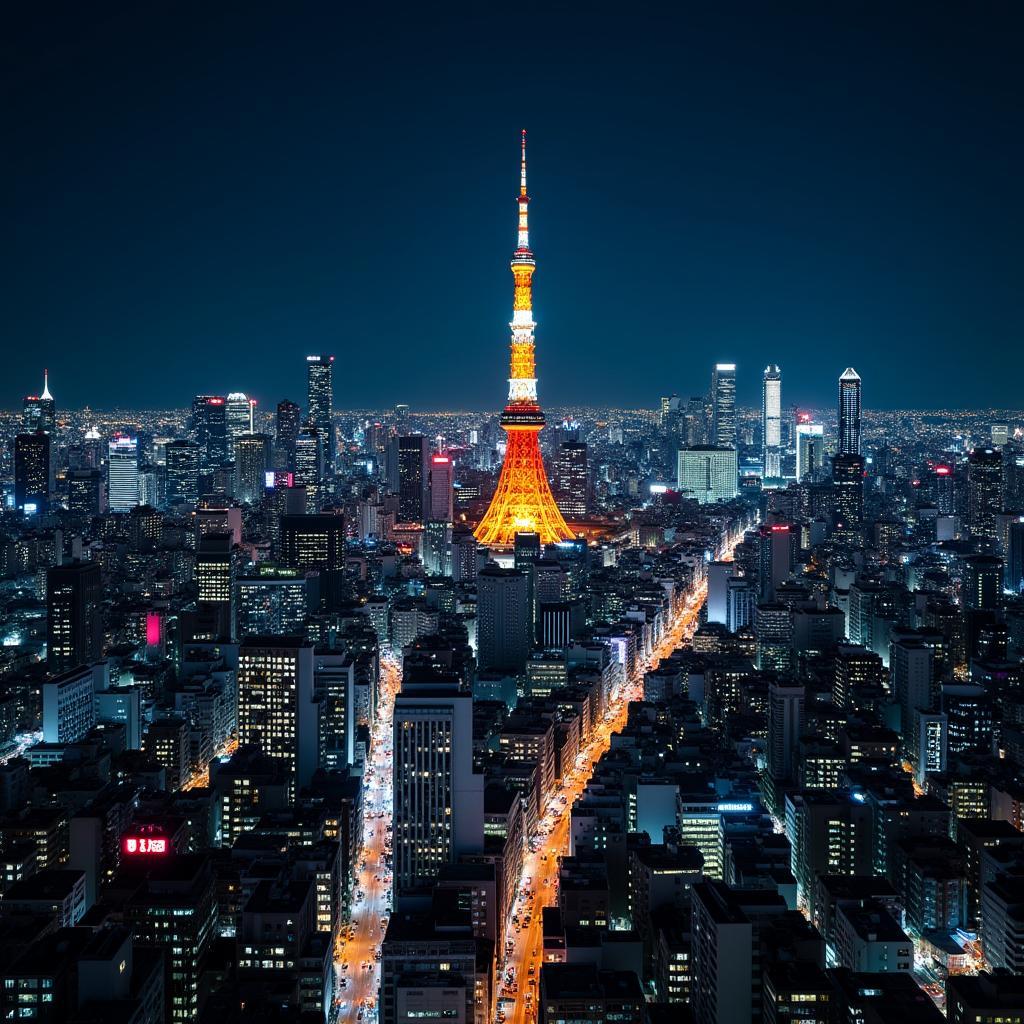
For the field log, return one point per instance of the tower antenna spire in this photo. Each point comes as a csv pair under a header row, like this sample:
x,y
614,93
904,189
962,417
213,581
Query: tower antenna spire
x,y
46,386
522,172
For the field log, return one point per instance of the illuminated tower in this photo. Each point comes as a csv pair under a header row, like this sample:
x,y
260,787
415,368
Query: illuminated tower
x,y
523,499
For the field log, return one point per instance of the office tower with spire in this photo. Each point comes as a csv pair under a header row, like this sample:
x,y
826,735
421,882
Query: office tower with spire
x,y
289,422
849,412
523,498
122,473
320,402
39,411
771,423
723,405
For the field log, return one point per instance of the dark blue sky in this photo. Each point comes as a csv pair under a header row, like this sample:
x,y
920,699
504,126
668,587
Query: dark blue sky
x,y
195,196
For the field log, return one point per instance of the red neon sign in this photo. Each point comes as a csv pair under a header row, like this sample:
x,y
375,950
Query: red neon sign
x,y
152,628
942,471
134,845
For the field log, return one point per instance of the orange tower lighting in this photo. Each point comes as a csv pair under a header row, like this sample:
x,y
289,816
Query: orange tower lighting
x,y
523,502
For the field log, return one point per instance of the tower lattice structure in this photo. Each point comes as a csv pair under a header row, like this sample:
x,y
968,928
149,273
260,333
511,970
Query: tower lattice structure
x,y
523,501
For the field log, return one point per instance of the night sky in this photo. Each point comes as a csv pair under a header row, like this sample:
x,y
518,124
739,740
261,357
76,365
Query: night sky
x,y
195,196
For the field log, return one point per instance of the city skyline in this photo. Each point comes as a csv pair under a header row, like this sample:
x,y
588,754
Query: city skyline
x,y
747,223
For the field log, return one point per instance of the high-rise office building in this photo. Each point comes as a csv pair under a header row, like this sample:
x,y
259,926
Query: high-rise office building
x,y
316,542
785,725
810,450
771,423
984,490
848,491
438,799
944,489
442,472
320,402
277,709
33,471
409,476
182,472
69,705
252,462
707,473
571,479
272,601
849,412
503,619
38,412
289,422
175,908
334,678
215,580
87,492
309,465
313,542
723,405
122,473
209,418
74,615
238,418
719,574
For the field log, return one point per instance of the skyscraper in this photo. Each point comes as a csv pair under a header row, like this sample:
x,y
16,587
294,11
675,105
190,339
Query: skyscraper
x,y
413,477
707,473
215,579
320,401
33,471
441,494
984,490
849,412
209,418
122,473
523,498
182,468
848,496
74,623
309,465
810,450
723,405
571,482
277,709
503,619
237,415
252,461
771,423
289,417
438,799
39,411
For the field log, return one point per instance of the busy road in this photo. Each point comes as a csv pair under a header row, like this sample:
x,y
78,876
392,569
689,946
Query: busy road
x,y
357,968
520,970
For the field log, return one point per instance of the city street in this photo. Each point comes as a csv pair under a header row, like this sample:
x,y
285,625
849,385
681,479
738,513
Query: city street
x,y
520,971
356,966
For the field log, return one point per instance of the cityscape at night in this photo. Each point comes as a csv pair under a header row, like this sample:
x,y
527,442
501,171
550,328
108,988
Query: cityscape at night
x,y
629,635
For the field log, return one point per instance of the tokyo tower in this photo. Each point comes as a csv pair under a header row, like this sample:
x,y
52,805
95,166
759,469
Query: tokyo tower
x,y
523,502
